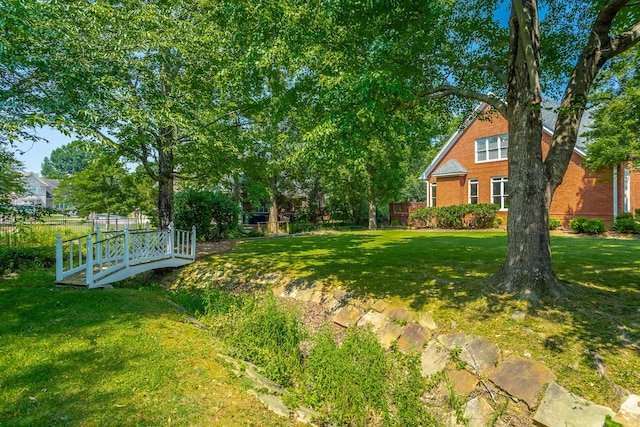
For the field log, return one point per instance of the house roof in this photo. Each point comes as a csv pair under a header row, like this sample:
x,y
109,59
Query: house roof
x,y
451,168
549,118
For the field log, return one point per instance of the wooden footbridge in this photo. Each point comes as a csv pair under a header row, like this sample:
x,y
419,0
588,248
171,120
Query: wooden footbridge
x,y
101,258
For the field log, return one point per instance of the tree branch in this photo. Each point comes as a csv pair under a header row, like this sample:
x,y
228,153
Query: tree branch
x,y
527,26
448,90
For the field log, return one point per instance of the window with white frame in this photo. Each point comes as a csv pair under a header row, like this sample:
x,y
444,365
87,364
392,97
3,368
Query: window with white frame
x,y
432,194
500,192
473,191
492,148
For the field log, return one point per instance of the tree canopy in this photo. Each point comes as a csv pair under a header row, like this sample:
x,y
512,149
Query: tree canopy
x,y
67,160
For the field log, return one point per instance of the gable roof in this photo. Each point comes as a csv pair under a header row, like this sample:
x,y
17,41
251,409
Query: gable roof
x,y
549,118
451,168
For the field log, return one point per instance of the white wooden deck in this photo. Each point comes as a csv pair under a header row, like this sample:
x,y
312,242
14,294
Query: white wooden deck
x,y
99,259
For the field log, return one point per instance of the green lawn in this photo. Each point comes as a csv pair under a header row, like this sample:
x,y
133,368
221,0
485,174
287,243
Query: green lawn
x,y
113,357
442,273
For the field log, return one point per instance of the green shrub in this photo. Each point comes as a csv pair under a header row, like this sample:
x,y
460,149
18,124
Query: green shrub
x,y
395,222
423,217
594,226
554,223
455,216
212,213
624,223
497,222
577,224
17,258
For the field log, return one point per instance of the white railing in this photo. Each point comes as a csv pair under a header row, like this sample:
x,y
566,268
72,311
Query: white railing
x,y
107,257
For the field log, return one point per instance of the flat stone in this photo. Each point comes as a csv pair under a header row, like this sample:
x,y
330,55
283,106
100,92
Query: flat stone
x,y
261,382
306,415
305,294
279,291
464,382
481,355
426,321
434,359
375,319
340,295
273,403
629,414
561,408
348,316
380,306
522,378
452,341
389,333
478,412
413,338
399,313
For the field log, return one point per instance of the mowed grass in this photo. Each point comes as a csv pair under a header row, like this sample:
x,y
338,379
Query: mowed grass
x,y
443,272
110,358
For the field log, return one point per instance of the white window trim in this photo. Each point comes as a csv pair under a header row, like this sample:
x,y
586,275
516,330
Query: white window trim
x,y
473,181
502,180
432,185
626,191
486,140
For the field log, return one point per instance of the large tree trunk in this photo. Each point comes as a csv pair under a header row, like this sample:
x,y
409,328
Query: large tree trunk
x,y
373,207
527,269
165,178
273,207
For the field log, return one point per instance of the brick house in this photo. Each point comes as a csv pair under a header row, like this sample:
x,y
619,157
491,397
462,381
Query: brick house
x,y
472,168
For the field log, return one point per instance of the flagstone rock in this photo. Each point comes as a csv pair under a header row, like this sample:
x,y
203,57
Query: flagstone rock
x,y
375,319
380,306
399,313
464,382
389,333
452,341
480,354
629,414
273,403
561,408
348,316
478,412
305,294
261,382
522,378
434,359
413,338
341,295
426,321
306,415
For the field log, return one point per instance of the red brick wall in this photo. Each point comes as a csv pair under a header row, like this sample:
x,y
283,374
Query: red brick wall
x,y
580,194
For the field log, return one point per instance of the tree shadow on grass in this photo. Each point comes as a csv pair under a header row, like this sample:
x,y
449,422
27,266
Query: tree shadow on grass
x,y
64,352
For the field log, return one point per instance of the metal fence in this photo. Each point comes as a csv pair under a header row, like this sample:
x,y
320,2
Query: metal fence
x,y
38,233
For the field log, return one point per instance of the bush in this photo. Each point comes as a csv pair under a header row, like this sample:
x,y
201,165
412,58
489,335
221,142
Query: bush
x,y
594,226
17,258
554,223
577,224
624,223
212,213
455,216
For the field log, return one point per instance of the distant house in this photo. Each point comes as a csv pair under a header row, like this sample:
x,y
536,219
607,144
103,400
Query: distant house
x,y
472,168
39,192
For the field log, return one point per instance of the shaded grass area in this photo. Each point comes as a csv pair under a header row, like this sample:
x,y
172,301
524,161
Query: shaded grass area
x,y
111,357
442,273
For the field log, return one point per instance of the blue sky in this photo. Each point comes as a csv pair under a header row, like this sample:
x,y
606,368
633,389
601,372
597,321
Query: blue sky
x,y
35,152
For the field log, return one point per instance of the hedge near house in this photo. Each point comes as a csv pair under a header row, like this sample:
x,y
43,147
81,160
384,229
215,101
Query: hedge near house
x,y
455,216
214,214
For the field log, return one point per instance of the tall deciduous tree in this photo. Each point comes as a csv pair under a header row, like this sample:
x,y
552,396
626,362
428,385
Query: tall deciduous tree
x,y
436,50
152,80
67,160
11,176
616,129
